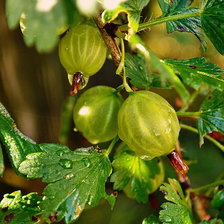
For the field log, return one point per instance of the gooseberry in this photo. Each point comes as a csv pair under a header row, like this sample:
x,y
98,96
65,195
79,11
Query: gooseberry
x,y
148,124
95,113
82,49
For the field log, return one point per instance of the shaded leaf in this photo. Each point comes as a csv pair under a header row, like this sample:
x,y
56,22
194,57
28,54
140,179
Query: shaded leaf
x,y
135,176
76,178
212,20
16,144
211,115
133,10
177,210
196,71
189,24
15,208
137,70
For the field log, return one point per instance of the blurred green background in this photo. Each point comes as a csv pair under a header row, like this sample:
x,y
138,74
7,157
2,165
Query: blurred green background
x,y
33,87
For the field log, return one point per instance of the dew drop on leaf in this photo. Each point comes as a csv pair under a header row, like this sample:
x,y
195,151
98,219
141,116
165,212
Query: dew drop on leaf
x,y
60,152
86,163
65,163
69,176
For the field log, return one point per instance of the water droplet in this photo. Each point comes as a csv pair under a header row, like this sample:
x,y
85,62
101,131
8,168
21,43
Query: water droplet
x,y
168,130
86,163
167,219
75,130
66,48
144,157
69,176
60,152
65,163
156,133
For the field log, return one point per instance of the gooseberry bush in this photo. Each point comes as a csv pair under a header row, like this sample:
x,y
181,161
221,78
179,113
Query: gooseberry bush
x,y
132,129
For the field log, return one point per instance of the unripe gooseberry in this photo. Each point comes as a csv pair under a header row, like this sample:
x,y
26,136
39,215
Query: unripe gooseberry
x,y
82,49
95,113
148,124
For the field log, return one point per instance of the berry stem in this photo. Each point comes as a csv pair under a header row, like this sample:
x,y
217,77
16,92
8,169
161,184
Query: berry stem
x,y
188,114
111,146
205,187
121,68
160,20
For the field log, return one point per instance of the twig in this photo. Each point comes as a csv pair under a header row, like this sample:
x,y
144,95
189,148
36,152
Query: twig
x,y
109,40
198,202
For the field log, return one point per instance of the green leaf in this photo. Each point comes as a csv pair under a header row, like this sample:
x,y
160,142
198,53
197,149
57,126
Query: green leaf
x,y
218,199
2,166
168,73
212,221
137,70
76,178
136,176
177,210
14,9
211,115
196,71
132,8
42,22
212,20
16,144
151,220
15,208
158,65
190,24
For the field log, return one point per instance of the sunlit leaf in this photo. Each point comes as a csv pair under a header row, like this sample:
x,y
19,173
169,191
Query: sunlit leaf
x,y
197,71
2,166
151,220
17,144
135,176
15,208
177,210
190,24
133,10
76,178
